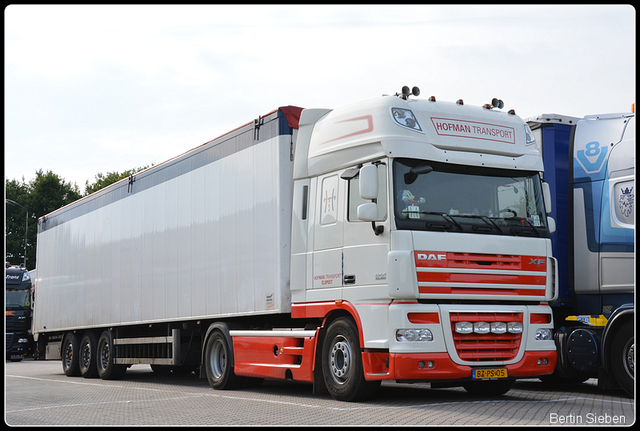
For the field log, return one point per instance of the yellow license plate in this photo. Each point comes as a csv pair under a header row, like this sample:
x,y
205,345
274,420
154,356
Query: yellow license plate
x,y
490,373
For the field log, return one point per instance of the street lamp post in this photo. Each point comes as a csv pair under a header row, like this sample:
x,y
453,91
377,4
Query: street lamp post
x,y
26,228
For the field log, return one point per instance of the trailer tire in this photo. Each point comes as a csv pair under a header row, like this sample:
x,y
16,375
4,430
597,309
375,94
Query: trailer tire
x,y
87,356
107,368
217,362
342,368
70,355
623,357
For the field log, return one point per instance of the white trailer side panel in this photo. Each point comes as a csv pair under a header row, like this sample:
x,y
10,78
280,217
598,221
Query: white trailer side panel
x,y
207,242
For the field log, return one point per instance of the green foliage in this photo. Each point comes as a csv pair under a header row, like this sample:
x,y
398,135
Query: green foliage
x,y
44,194
104,180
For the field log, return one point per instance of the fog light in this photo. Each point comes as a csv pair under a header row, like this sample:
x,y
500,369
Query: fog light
x,y
544,334
430,364
421,364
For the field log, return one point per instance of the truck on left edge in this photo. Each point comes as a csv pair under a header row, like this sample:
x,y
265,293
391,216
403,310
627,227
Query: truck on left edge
x,y
17,312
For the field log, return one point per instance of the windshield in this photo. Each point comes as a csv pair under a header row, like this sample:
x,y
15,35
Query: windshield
x,y
17,298
446,197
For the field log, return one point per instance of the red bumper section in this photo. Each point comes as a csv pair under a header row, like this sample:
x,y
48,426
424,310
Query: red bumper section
x,y
293,358
439,366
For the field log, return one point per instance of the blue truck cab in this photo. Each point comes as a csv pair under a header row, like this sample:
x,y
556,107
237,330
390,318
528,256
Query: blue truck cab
x,y
17,312
590,168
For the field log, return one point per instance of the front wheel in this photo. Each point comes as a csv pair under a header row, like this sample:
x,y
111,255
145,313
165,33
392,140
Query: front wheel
x,y
623,358
342,363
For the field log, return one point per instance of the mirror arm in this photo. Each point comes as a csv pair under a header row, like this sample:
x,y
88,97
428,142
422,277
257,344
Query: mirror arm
x,y
377,229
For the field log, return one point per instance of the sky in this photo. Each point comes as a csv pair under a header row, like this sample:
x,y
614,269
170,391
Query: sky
x,y
97,89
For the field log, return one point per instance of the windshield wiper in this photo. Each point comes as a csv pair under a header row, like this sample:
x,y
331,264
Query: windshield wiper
x,y
444,216
517,229
484,218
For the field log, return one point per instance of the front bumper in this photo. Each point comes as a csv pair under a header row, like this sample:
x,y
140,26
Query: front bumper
x,y
439,366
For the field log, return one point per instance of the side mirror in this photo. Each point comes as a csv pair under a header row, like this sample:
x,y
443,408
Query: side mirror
x,y
546,192
368,211
551,222
369,182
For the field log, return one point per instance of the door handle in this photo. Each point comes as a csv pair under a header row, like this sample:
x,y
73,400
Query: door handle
x,y
349,279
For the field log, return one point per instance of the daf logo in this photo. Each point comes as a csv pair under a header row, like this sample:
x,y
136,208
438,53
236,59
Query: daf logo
x,y
431,256
536,261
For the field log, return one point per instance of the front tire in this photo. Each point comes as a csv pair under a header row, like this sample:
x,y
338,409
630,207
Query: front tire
x,y
623,357
342,363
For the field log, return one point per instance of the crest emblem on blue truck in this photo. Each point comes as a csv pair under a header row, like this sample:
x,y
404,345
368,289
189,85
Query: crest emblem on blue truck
x,y
625,203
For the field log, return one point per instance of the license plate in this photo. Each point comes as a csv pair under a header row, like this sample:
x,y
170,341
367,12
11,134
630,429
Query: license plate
x,y
490,373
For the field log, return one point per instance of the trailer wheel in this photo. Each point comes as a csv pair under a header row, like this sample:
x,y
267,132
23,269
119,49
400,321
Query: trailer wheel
x,y
342,363
218,364
70,349
87,356
107,369
623,359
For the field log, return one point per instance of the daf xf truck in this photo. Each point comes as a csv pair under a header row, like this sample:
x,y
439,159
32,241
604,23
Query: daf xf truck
x,y
397,238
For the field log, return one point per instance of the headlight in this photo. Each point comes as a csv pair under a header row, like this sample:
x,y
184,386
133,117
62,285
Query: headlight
x,y
544,334
22,340
486,327
408,335
464,327
499,328
481,328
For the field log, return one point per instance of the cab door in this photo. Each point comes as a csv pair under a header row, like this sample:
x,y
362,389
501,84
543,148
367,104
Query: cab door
x,y
366,244
328,239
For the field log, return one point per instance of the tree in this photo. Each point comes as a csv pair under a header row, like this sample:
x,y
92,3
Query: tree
x,y
104,180
15,221
44,194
